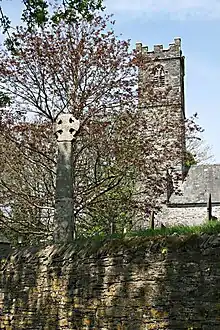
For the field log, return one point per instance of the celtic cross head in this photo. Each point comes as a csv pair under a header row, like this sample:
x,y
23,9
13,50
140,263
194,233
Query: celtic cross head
x,y
66,127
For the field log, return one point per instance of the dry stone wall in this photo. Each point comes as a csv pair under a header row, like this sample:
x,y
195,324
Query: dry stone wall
x,y
133,284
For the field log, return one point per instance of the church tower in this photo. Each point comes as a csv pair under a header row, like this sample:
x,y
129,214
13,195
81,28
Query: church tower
x,y
161,90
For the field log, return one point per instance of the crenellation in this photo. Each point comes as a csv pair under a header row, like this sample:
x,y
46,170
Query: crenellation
x,y
139,46
174,49
177,41
145,49
158,48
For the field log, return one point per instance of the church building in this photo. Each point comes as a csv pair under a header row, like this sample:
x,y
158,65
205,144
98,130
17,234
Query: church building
x,y
199,184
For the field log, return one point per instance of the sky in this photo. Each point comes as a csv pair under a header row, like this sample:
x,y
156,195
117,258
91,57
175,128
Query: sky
x,y
197,23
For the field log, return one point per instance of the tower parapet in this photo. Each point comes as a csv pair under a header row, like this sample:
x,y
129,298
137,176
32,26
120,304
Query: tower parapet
x,y
174,50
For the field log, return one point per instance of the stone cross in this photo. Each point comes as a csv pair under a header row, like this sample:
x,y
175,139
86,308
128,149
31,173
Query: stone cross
x,y
65,129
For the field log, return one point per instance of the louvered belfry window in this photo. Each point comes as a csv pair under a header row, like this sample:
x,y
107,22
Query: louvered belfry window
x,y
159,76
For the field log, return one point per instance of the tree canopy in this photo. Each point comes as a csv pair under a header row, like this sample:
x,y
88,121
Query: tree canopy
x,y
84,69
36,13
121,153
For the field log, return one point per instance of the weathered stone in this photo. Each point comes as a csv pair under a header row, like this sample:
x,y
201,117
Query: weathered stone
x,y
66,127
189,208
96,290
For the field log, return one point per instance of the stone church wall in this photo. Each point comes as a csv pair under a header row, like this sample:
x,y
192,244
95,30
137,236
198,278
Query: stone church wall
x,y
187,216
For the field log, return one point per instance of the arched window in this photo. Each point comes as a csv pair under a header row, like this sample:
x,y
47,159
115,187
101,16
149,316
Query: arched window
x,y
159,76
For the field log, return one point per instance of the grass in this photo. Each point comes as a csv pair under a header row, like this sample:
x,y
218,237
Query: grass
x,y
92,243
209,227
112,242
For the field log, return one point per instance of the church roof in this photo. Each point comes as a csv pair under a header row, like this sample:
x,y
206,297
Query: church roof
x,y
200,181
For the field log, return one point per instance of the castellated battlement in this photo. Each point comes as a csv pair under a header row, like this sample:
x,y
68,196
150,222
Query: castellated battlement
x,y
174,49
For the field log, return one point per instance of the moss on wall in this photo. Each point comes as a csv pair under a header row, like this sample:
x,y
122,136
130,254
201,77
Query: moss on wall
x,y
133,284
